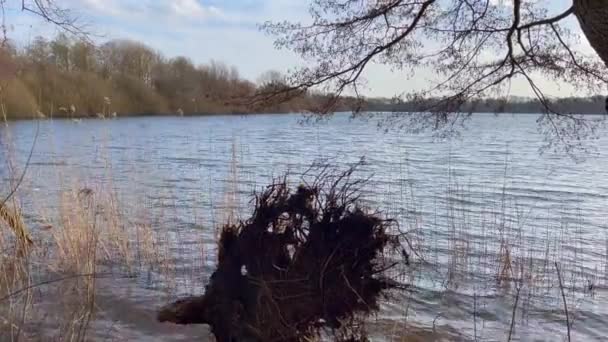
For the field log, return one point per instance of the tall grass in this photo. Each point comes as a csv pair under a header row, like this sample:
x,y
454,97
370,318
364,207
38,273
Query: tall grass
x,y
55,280
499,254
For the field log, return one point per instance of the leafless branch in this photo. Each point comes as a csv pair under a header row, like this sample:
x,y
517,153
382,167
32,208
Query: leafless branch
x,y
63,18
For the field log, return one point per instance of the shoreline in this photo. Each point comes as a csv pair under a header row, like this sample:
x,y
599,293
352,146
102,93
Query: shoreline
x,y
142,115
164,115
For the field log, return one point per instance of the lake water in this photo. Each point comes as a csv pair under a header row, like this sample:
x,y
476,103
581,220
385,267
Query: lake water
x,y
474,204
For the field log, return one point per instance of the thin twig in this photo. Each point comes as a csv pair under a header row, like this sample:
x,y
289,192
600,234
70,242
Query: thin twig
x,y
475,315
561,287
57,280
439,315
25,167
514,313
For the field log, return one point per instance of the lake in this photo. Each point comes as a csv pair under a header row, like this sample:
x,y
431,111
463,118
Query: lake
x,y
488,213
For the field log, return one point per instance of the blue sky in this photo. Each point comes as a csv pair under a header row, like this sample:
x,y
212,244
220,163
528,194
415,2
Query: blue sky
x,y
222,30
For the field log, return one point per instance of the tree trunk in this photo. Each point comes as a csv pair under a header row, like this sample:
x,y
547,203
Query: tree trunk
x,y
593,18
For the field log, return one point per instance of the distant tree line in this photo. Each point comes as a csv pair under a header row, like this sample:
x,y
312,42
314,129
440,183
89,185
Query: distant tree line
x,y
67,77
566,105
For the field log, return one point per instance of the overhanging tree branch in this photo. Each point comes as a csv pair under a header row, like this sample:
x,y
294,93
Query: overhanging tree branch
x,y
59,16
457,39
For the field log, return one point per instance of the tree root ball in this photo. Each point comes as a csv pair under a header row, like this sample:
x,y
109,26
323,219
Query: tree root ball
x,y
308,260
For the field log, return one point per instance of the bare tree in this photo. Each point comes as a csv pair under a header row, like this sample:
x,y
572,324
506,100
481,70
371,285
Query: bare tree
x,y
476,47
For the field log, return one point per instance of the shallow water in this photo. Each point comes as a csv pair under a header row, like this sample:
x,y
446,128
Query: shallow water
x,y
464,200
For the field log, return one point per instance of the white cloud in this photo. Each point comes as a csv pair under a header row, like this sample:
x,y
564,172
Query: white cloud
x,y
506,3
194,9
102,7
149,11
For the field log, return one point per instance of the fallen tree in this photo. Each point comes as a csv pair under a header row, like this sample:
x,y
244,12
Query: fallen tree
x,y
307,261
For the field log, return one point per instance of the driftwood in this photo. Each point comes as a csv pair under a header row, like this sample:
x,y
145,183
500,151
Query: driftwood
x,y
307,261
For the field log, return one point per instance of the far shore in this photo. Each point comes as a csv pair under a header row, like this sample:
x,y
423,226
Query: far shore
x,y
168,114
